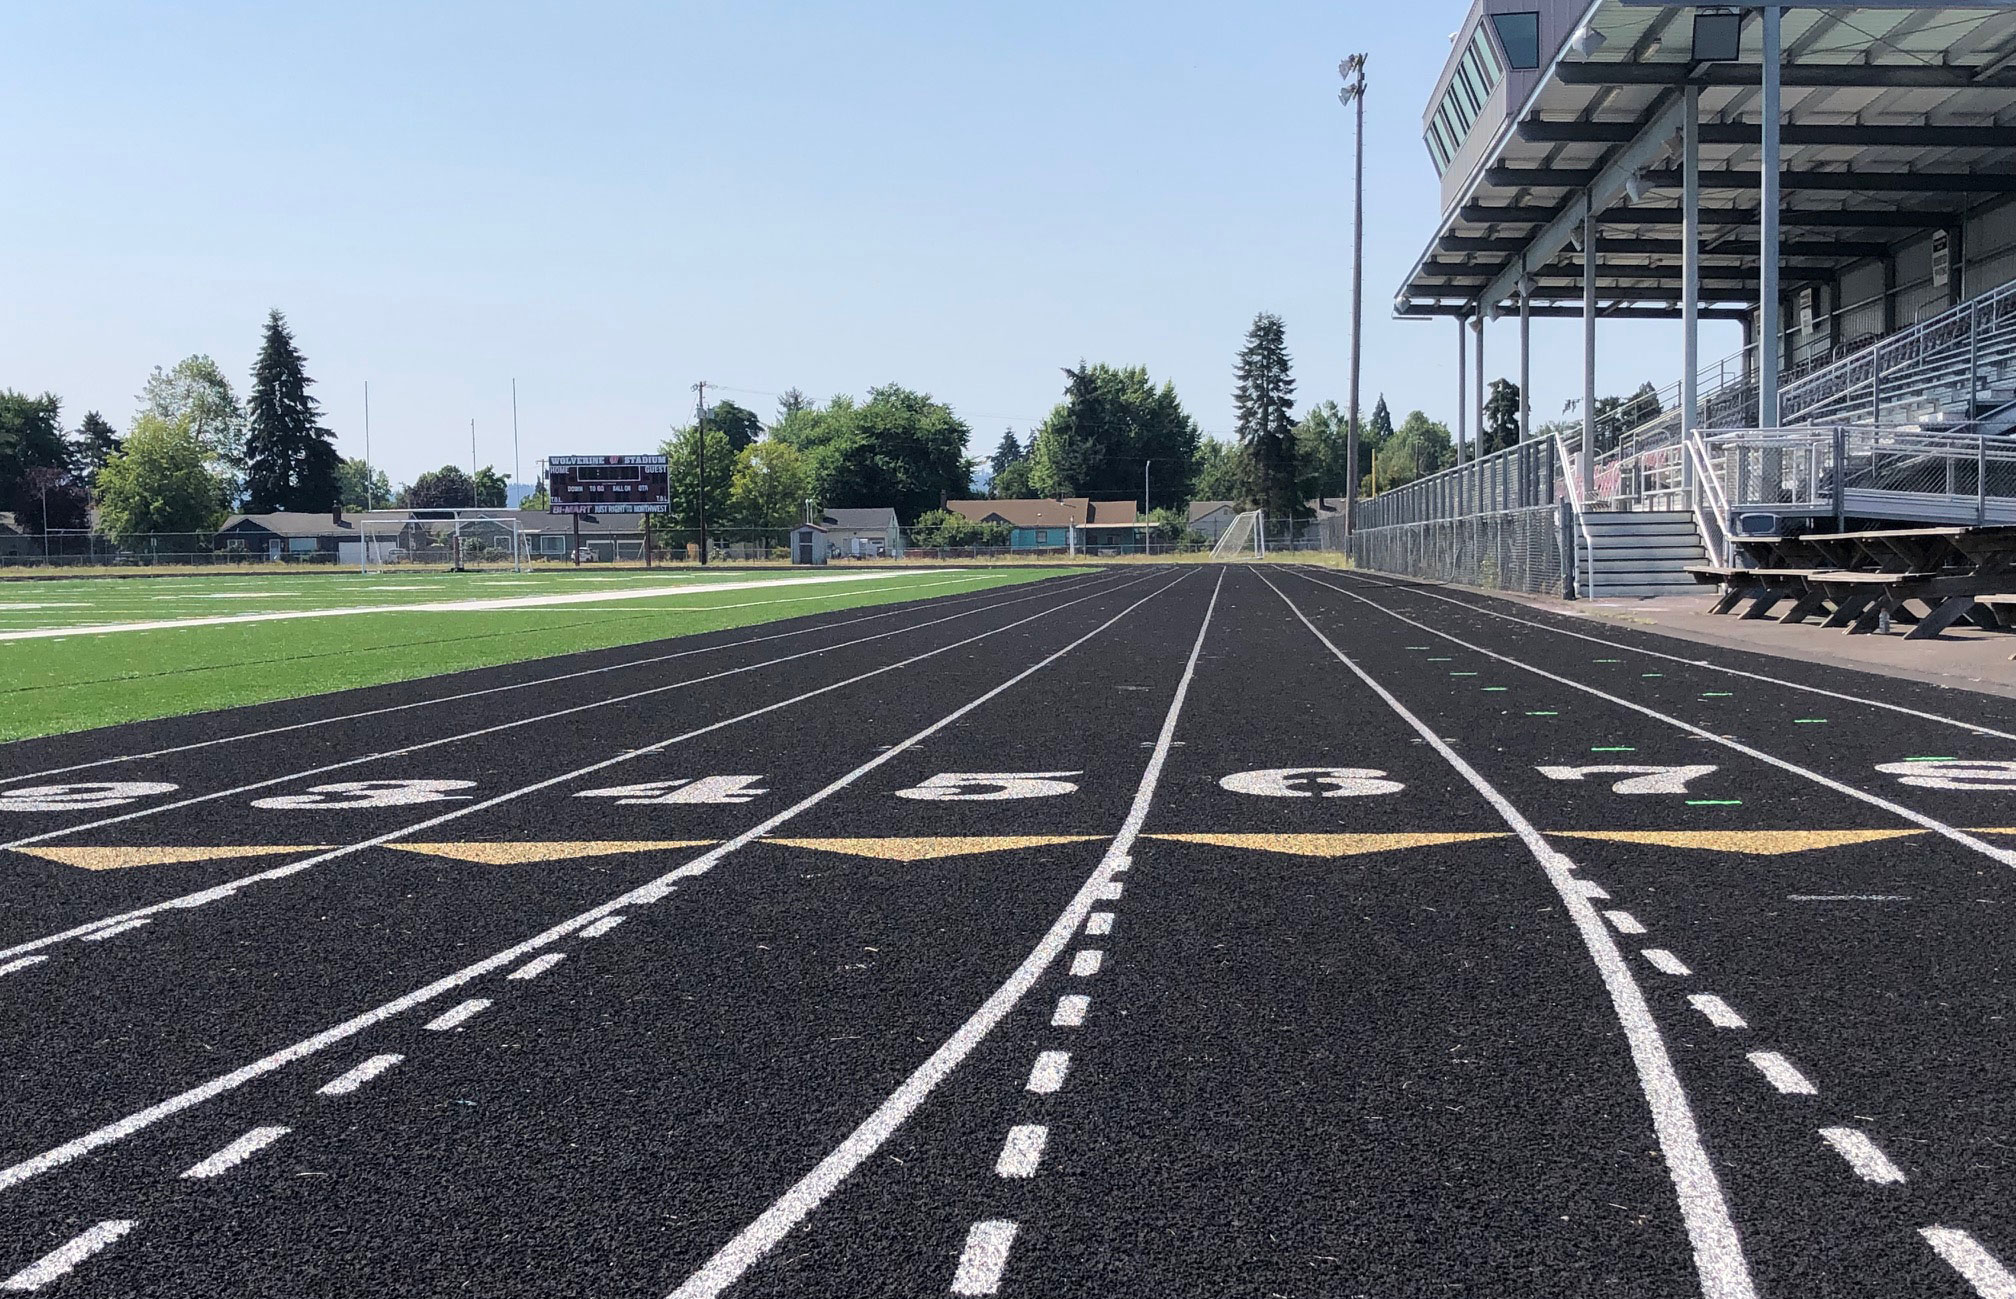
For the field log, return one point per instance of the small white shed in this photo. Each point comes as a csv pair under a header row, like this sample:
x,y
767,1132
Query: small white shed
x,y
808,544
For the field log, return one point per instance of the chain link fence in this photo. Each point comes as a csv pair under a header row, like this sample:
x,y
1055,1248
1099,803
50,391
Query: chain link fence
x,y
1513,550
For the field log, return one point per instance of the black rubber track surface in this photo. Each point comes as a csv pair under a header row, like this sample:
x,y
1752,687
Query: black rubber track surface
x,y
1347,1032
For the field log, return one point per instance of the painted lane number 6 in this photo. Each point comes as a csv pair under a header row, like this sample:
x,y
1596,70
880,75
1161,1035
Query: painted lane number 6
x,y
977,786
1307,782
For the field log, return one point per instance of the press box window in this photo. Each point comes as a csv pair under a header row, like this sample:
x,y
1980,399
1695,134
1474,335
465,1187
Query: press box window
x,y
1519,37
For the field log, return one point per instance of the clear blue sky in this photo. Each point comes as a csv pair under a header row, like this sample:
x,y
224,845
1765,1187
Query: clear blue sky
x,y
611,201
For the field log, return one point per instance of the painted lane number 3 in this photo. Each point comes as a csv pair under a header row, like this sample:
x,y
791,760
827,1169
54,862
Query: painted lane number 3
x,y
347,794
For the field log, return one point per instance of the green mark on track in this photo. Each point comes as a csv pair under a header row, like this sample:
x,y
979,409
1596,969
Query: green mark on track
x,y
1714,802
1462,674
1928,759
1612,748
1491,688
1809,721
1651,674
1442,660
1609,660
1717,694
1417,647
1543,714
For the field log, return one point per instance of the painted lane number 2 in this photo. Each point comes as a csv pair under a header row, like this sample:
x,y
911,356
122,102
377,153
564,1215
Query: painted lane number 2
x,y
80,797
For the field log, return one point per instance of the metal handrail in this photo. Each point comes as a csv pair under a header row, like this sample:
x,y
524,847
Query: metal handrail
x,y
1571,474
1937,356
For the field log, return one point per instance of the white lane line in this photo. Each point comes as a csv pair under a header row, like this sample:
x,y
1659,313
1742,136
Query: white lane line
x,y
450,606
227,888
1110,892
1047,1074
455,1018
1022,1151
1665,962
537,966
1718,1251
423,745
1718,1011
58,1262
21,964
1070,1012
602,926
1591,889
1863,1155
1086,963
1065,584
1702,663
100,935
1968,1257
349,1082
1099,924
237,1152
2006,856
774,1223
1847,897
644,894
984,1258
1782,1074
1626,922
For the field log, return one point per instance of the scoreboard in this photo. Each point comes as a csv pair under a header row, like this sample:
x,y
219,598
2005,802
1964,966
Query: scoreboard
x,y
607,485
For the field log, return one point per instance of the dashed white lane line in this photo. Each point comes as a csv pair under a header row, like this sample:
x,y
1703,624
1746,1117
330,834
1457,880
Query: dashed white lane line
x,y
1966,1255
984,1258
1719,1012
1099,923
103,934
1863,1155
1109,892
602,926
60,1260
1626,922
1047,1074
1665,962
1782,1074
21,964
537,966
1591,889
237,1152
1071,1008
455,1018
1022,1151
1086,963
349,1082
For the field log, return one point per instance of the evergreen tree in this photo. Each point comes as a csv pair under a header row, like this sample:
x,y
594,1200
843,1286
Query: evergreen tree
x,y
1008,453
791,403
96,442
290,459
1262,403
1378,430
1501,416
738,423
1112,422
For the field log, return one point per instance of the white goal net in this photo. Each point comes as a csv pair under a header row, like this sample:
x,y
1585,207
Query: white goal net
x,y
1246,533
436,539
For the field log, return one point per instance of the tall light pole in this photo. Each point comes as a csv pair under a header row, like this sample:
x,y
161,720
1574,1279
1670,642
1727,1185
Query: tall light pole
x,y
700,458
1145,533
1352,96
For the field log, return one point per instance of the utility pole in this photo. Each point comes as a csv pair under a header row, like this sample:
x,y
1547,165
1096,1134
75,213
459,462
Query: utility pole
x,y
1352,96
700,458
472,465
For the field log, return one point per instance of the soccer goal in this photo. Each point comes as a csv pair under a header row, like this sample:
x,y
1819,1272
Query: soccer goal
x,y
448,540
1247,532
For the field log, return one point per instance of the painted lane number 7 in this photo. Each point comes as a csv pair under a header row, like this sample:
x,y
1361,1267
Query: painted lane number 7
x,y
1642,780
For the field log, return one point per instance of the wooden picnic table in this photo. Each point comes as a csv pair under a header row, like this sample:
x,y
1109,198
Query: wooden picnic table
x,y
1953,572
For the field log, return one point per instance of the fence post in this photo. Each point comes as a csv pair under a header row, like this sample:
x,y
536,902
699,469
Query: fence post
x,y
1973,356
1567,550
1840,478
1980,479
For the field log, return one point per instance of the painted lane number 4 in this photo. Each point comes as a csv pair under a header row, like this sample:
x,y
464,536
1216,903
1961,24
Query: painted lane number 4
x,y
1641,780
345,795
659,793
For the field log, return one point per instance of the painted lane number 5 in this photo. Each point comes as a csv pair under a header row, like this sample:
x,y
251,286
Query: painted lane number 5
x,y
979,786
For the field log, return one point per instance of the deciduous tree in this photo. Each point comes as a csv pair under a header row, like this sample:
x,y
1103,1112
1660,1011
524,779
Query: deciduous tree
x,y
771,484
197,391
159,480
354,477
446,488
1112,422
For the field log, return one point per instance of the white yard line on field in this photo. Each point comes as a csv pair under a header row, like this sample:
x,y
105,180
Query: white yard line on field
x,y
456,606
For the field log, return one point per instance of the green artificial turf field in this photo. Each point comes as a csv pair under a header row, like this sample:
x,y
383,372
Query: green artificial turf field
x,y
70,658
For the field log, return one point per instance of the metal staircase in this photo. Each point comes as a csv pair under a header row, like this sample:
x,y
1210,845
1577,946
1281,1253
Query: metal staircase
x,y
1636,552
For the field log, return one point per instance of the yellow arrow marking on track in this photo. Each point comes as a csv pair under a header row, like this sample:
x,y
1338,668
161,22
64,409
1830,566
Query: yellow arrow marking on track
x,y
1992,829
1755,843
1329,845
925,849
518,854
112,859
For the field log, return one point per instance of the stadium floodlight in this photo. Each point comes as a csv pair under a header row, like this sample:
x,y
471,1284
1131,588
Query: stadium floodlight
x,y
1586,41
1718,38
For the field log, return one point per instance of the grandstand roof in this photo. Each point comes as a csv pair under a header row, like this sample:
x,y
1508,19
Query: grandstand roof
x,y
1897,117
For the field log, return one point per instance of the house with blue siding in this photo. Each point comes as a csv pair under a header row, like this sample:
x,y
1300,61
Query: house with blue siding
x,y
1112,527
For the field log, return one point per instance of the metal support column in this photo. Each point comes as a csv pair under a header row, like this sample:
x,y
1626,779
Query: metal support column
x,y
1588,350
1690,276
1770,323
1462,385
1477,449
1525,367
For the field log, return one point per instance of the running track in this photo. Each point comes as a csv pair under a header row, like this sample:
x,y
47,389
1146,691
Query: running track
x,y
1188,931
